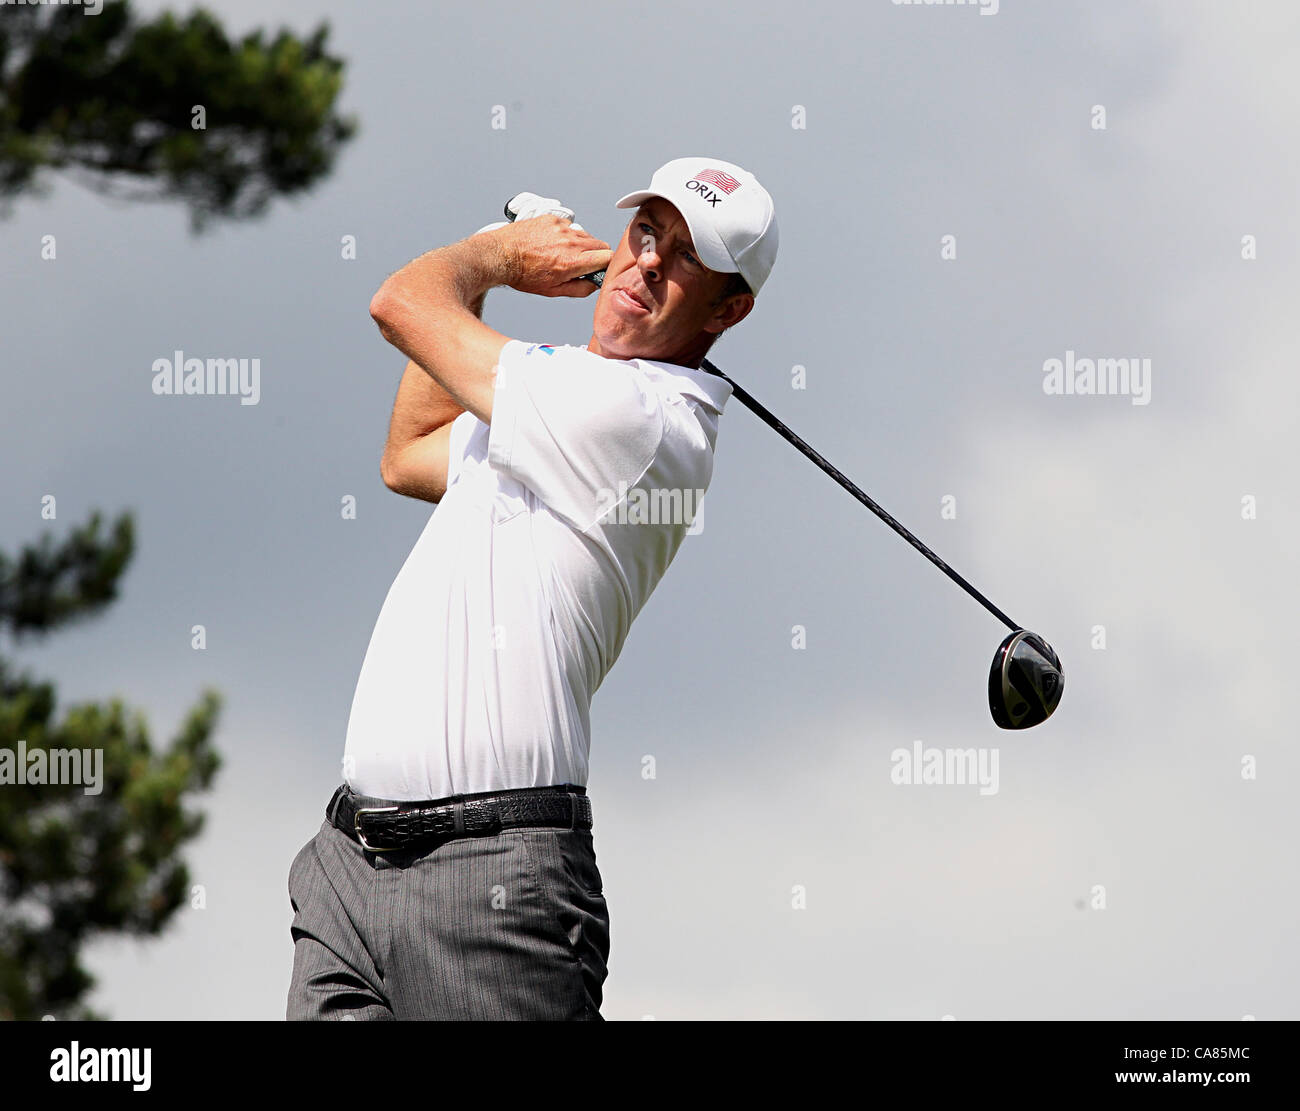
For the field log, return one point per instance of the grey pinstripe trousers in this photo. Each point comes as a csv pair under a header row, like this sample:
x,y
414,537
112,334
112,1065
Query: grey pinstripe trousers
x,y
511,926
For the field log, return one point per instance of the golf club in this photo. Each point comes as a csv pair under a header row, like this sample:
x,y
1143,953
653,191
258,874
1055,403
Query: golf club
x,y
1026,680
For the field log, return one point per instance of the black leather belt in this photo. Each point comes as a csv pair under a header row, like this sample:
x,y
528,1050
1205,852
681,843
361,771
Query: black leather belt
x,y
380,825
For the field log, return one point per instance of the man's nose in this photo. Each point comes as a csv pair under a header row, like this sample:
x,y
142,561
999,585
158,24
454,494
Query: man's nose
x,y
649,262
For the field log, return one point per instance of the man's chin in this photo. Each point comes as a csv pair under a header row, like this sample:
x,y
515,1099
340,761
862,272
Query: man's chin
x,y
620,343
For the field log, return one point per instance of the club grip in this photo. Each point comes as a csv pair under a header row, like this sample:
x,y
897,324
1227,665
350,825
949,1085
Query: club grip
x,y
597,278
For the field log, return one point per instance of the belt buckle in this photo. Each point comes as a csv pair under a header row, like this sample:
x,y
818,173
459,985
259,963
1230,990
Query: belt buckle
x,y
361,837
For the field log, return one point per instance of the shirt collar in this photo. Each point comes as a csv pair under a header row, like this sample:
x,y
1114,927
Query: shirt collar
x,y
685,380
689,382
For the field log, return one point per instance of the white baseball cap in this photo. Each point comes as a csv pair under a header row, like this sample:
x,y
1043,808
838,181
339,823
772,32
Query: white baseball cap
x,y
730,216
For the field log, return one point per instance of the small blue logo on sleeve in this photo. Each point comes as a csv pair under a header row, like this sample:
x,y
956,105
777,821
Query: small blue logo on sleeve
x,y
544,348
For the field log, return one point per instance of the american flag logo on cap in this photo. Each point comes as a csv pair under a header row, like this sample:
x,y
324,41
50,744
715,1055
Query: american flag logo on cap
x,y
725,182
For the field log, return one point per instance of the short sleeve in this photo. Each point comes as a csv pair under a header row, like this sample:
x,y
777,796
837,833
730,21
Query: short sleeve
x,y
462,428
575,428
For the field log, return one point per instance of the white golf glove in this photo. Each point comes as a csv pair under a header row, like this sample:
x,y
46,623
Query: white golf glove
x,y
527,205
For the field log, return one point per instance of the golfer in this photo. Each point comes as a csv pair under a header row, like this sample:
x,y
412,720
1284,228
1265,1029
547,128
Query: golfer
x,y
454,876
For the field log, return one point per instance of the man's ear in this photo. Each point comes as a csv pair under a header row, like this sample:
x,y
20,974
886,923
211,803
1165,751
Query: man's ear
x,y
731,312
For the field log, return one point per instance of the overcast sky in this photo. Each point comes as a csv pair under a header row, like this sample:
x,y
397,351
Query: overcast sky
x,y
772,868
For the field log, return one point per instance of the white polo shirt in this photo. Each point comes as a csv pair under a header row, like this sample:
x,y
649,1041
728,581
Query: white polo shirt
x,y
558,522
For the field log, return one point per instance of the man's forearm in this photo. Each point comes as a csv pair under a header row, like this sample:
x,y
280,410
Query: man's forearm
x,y
429,311
437,404
422,405
455,278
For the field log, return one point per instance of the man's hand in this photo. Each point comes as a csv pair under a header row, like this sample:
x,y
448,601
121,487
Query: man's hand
x,y
424,309
548,255
524,206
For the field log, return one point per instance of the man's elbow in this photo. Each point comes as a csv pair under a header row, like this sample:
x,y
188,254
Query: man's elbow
x,y
385,308
401,480
389,474
396,477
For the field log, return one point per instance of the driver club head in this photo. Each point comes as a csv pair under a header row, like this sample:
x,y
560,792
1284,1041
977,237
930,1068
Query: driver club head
x,y
1025,682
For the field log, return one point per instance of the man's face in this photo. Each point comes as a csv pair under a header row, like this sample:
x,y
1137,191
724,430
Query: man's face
x,y
657,301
